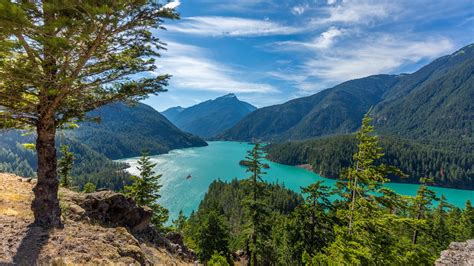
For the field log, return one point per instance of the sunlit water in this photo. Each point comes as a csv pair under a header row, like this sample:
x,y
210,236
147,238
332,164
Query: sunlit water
x,y
220,160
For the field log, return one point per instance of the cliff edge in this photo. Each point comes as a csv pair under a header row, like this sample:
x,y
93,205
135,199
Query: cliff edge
x,y
99,228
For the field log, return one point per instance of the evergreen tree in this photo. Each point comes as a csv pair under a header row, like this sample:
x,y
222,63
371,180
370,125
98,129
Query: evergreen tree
x,y
65,164
467,222
61,59
440,234
145,190
368,211
89,188
422,203
213,237
218,260
257,209
180,222
313,226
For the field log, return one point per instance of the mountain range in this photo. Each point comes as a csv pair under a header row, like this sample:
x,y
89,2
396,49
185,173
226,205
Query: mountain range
x,y
145,129
210,118
436,101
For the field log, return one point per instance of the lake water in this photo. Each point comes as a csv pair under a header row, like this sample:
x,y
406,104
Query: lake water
x,y
220,160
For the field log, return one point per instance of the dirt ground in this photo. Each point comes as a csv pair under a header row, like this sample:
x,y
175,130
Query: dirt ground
x,y
78,243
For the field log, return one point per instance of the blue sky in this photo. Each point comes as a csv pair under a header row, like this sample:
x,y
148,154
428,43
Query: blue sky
x,y
271,51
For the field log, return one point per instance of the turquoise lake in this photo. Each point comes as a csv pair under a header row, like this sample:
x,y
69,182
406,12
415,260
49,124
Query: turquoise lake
x,y
220,160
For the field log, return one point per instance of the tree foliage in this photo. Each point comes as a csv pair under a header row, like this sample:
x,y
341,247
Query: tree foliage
x,y
65,164
145,190
60,60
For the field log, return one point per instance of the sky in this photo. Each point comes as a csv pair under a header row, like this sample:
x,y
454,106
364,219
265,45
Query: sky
x,y
271,51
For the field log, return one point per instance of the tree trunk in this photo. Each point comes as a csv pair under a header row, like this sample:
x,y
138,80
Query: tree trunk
x,y
45,206
415,233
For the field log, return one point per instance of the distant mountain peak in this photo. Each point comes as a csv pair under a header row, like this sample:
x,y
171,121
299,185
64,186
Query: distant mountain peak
x,y
212,117
227,96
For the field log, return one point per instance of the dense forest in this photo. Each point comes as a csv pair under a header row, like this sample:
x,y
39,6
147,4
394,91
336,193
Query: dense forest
x,y
89,166
450,164
145,129
266,224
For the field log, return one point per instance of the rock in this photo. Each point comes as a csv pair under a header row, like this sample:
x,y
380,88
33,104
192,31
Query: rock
x,y
458,253
114,209
175,238
76,212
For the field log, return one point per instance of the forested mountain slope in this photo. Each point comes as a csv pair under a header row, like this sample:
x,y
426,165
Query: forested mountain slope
x,y
435,101
449,164
89,165
126,131
211,117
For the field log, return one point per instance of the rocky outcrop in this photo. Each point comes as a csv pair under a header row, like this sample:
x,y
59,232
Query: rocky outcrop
x,y
114,209
100,228
458,253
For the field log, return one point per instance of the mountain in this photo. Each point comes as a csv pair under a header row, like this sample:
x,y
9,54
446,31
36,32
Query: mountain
x,y
336,110
172,112
436,101
126,131
211,117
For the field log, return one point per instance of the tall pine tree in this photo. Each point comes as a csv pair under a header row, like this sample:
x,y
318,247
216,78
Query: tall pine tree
x,y
258,228
61,59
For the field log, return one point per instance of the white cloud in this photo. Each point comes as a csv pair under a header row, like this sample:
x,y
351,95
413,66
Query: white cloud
x,y
353,12
299,10
382,55
173,4
331,2
193,70
324,41
377,55
231,26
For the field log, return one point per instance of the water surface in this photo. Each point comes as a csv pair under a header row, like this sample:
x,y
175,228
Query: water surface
x,y
220,160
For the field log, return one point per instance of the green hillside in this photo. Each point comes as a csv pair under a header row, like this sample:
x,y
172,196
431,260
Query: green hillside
x,y
336,110
145,129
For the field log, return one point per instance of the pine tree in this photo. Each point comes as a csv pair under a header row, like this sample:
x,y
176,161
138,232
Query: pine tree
x,y
467,221
213,237
259,229
422,202
61,59
314,227
369,208
65,164
180,222
89,188
145,190
440,234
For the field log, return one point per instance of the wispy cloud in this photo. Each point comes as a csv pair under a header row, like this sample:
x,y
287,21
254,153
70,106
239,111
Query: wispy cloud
x,y
324,41
231,26
353,12
377,55
193,70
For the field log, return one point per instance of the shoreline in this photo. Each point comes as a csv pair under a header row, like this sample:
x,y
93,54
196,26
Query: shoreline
x,y
306,166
